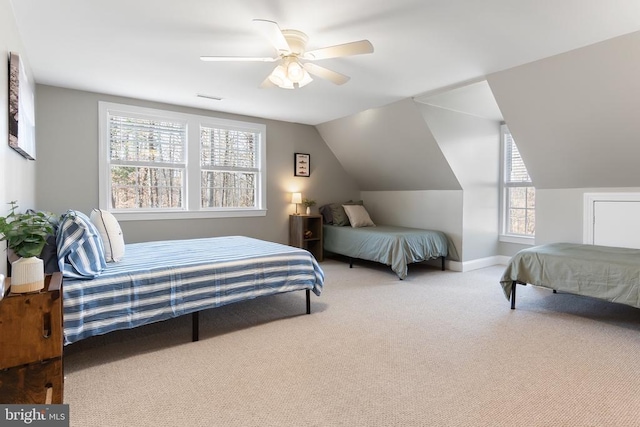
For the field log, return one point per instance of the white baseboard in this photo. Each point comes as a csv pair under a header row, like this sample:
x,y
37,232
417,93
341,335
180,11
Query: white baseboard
x,y
503,259
478,263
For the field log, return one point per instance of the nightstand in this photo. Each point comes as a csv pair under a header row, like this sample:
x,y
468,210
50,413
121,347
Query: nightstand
x,y
305,231
31,342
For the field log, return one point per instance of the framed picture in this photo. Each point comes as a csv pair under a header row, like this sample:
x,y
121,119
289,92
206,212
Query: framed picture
x,y
301,164
21,110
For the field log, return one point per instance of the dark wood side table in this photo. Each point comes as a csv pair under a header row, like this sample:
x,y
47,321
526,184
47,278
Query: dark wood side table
x,y
305,231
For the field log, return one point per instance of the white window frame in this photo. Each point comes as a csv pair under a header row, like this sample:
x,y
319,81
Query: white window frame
x,y
504,186
192,207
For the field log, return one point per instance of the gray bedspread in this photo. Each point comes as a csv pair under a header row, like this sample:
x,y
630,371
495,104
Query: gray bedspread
x,y
389,245
608,273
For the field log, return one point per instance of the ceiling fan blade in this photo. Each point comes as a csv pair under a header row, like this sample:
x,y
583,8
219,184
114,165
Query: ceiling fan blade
x,y
347,49
325,73
271,31
237,58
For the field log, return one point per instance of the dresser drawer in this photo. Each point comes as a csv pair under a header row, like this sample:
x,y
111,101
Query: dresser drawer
x,y
30,328
37,383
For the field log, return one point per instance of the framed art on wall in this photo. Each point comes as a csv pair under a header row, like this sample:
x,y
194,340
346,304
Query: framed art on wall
x,y
21,110
302,164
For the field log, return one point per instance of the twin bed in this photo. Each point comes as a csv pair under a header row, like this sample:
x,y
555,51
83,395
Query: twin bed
x,y
607,273
349,231
390,245
159,280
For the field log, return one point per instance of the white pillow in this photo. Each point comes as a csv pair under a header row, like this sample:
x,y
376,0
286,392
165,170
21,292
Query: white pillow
x,y
111,234
358,216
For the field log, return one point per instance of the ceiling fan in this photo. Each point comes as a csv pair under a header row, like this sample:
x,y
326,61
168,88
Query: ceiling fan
x,y
295,67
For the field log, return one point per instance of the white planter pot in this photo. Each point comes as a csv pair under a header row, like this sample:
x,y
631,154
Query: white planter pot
x,y
308,210
27,275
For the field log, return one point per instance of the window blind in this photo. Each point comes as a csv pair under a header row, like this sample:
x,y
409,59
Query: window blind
x,y
516,171
226,148
146,140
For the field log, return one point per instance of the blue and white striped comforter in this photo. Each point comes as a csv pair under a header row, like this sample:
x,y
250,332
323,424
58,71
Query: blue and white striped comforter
x,y
159,280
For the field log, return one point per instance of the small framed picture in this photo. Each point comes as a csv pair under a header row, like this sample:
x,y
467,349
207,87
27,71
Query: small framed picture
x,y
301,164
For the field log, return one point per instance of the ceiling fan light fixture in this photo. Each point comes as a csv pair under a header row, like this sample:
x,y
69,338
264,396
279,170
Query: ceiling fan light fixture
x,y
306,79
279,76
295,72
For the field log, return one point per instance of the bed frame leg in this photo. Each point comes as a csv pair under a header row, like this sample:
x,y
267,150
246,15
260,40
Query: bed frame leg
x,y
195,326
442,258
350,262
308,301
513,294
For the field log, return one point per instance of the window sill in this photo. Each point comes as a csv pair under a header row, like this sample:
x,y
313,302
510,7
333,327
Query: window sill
x,y
521,240
146,216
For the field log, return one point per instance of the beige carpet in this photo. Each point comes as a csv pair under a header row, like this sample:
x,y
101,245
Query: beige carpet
x,y
437,349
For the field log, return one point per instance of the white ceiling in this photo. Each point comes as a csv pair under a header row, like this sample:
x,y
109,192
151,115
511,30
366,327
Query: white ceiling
x,y
150,49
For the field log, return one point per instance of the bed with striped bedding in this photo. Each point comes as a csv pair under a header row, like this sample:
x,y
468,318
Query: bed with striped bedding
x,y
159,280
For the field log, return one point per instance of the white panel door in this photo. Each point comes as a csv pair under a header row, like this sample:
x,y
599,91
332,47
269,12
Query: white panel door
x,y
616,223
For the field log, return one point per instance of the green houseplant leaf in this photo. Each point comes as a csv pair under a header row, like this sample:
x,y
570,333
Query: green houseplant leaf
x,y
25,233
307,203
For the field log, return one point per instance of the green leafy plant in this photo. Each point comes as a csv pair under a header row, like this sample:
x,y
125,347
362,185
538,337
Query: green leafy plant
x,y
307,203
25,233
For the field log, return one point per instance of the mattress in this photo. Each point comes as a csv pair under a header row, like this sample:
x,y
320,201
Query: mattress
x,y
164,279
604,272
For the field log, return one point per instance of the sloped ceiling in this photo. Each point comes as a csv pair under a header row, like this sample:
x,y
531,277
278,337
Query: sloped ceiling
x,y
389,149
473,99
466,124
576,116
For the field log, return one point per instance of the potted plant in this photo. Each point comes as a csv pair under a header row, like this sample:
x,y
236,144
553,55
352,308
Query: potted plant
x,y
26,235
307,203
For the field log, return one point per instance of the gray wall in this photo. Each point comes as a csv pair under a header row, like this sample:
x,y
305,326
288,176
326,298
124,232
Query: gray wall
x,y
17,174
67,177
559,213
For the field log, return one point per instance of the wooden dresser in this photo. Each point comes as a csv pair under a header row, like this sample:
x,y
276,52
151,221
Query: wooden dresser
x,y
31,345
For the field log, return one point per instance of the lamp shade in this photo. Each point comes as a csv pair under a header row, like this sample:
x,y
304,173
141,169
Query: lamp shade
x,y
296,198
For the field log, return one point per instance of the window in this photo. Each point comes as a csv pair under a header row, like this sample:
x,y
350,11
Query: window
x,y
229,169
147,162
518,194
161,165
